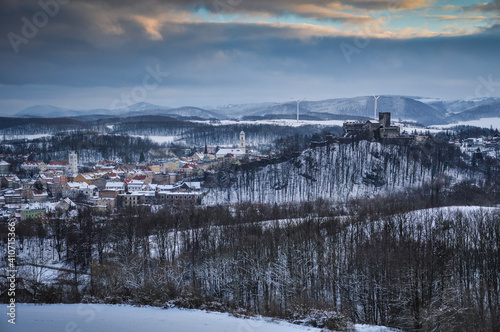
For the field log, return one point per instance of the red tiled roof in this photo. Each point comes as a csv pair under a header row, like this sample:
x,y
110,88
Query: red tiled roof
x,y
189,166
59,163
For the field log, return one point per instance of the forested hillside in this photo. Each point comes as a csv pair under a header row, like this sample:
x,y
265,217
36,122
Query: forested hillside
x,y
91,147
340,171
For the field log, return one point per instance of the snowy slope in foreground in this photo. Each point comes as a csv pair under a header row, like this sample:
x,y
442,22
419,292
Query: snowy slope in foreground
x,y
105,318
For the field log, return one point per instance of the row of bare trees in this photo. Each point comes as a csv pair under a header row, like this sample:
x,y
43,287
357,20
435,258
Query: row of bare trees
x,y
378,261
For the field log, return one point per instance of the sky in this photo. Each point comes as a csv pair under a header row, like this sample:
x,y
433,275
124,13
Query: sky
x,y
82,54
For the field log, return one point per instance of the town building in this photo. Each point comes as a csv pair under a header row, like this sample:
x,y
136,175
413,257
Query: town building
x,y
56,165
33,166
4,167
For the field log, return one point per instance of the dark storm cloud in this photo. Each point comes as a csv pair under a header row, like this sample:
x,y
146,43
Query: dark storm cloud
x,y
88,45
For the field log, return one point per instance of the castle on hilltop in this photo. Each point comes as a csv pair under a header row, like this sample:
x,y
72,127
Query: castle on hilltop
x,y
372,129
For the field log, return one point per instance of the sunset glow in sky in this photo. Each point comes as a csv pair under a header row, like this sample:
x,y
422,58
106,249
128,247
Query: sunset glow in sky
x,y
88,54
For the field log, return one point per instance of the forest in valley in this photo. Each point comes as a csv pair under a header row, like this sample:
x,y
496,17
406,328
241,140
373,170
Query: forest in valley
x,y
394,260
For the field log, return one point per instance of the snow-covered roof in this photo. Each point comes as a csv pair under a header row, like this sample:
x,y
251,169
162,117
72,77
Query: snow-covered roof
x,y
235,152
115,185
11,178
32,162
139,193
192,185
78,185
180,193
165,187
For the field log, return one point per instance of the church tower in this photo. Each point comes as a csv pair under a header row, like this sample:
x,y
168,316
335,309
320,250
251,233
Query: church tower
x,y
73,163
242,142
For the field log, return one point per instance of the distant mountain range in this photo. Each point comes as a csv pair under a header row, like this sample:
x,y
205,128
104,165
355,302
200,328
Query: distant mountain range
x,y
49,111
403,108
139,109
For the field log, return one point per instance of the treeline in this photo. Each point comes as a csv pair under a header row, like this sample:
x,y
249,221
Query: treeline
x,y
464,132
152,125
90,146
22,126
385,260
260,136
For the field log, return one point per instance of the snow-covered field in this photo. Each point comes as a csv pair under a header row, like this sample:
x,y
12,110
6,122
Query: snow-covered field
x,y
159,139
483,123
420,130
28,137
123,318
282,122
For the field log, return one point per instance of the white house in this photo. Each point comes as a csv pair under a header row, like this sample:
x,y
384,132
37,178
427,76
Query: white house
x,y
135,185
115,186
33,166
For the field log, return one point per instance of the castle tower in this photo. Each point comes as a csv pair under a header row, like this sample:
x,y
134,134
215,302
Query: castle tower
x,y
73,163
385,119
242,145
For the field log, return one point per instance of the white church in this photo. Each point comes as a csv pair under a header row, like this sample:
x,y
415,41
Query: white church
x,y
238,153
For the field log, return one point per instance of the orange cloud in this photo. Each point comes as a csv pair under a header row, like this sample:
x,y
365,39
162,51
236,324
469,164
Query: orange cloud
x,y
451,7
320,12
390,4
152,26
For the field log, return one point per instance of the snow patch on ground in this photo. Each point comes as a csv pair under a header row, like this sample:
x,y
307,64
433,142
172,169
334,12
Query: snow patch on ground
x,y
282,122
28,137
408,129
124,318
158,139
371,328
